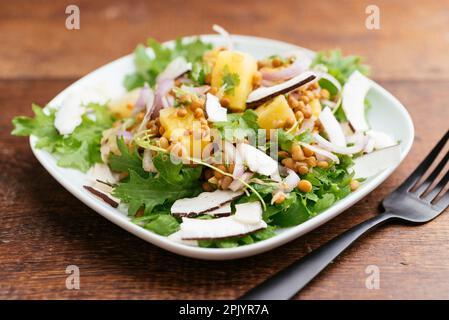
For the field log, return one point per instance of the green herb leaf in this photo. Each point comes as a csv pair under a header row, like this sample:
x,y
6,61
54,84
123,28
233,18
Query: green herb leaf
x,y
341,67
229,80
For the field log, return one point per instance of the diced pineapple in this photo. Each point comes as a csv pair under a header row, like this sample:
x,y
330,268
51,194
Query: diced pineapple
x,y
175,130
274,113
122,107
175,126
231,63
316,107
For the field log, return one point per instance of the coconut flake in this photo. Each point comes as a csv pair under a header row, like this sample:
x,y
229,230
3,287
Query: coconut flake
x,y
204,202
248,213
257,160
223,211
69,115
263,94
106,198
101,171
353,95
176,237
373,163
232,226
332,127
215,112
291,180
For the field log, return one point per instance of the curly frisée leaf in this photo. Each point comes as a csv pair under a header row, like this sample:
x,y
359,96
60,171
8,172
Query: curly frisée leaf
x,y
173,182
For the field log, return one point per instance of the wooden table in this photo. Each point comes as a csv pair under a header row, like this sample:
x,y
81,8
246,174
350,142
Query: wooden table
x,y
43,228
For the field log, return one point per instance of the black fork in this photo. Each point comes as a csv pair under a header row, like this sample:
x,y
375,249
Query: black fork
x,y
413,201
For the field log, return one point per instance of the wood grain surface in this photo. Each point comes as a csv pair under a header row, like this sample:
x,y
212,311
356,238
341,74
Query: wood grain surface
x,y
44,229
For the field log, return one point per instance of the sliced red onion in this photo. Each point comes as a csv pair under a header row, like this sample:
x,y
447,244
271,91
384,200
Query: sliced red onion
x,y
358,146
301,64
198,91
126,135
162,89
331,79
229,152
237,184
226,36
291,180
328,103
142,100
353,99
175,69
149,111
308,124
332,127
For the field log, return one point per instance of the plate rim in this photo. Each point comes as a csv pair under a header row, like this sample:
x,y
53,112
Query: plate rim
x,y
289,234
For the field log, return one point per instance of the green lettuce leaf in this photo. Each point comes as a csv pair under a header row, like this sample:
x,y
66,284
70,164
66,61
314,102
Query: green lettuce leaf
x,y
148,68
338,65
79,150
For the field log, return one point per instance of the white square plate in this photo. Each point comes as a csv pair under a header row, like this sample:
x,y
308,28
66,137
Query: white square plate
x,y
386,114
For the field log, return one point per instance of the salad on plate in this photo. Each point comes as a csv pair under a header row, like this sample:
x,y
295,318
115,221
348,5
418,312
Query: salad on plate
x,y
212,147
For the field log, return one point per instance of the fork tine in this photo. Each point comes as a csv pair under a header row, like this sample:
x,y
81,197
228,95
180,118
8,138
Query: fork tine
x,y
425,185
443,203
435,191
425,164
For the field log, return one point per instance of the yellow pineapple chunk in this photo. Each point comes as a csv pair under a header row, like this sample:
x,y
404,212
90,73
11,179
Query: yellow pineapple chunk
x,y
122,107
229,64
174,125
316,107
275,113
176,128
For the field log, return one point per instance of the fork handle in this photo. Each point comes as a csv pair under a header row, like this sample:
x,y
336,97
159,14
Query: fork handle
x,y
286,283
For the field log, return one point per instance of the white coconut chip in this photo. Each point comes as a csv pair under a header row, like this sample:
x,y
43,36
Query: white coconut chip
x,y
332,127
248,219
353,95
215,112
177,237
257,160
205,201
224,210
102,172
